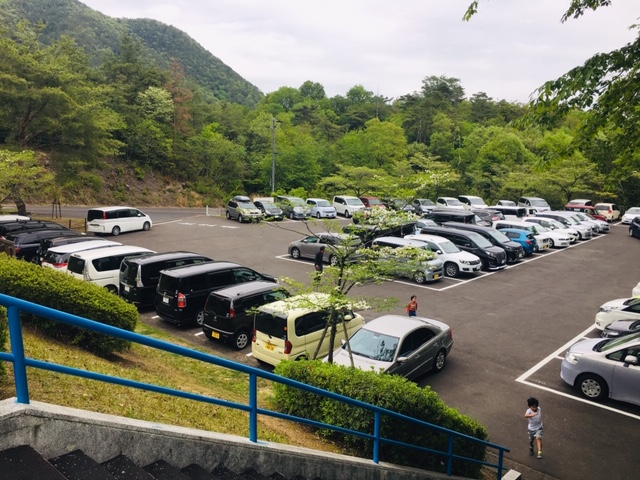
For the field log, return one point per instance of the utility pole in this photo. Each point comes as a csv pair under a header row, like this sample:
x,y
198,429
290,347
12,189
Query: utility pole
x,y
273,161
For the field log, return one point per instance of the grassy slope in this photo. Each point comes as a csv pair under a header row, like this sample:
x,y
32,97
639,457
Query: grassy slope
x,y
156,367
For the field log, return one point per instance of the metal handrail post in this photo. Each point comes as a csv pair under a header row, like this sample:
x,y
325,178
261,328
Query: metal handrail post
x,y
253,404
17,348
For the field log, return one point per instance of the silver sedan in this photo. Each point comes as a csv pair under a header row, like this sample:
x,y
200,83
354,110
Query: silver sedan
x,y
334,243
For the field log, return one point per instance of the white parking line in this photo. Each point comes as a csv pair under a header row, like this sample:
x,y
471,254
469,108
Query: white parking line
x,y
556,355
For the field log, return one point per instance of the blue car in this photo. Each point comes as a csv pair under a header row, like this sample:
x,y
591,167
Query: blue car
x,y
523,237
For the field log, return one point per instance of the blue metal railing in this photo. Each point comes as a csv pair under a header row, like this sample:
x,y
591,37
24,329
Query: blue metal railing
x,y
20,364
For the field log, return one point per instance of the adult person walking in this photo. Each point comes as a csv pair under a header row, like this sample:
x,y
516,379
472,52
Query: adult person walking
x,y
319,263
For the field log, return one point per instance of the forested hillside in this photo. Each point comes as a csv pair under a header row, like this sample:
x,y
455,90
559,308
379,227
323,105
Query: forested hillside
x,y
129,123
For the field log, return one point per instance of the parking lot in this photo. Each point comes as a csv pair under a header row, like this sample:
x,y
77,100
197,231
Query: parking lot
x,y
511,329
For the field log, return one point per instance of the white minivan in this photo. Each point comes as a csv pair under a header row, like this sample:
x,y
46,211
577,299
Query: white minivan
x,y
102,265
291,329
58,257
115,220
456,261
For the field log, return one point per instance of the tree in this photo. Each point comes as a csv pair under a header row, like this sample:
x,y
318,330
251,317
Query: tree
x,y
356,265
21,174
606,86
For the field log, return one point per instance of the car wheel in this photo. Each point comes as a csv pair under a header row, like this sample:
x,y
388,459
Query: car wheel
x,y
295,252
333,260
318,216
552,244
240,218
630,232
112,288
419,277
146,227
439,361
347,213
592,386
200,317
116,231
451,269
228,215
290,215
241,340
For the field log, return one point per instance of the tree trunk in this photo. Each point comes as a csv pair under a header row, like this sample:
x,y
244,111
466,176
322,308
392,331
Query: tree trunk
x,y
20,205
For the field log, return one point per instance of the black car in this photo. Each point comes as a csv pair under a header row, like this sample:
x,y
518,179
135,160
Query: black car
x,y
443,215
269,210
182,291
621,328
228,313
515,251
492,257
139,276
634,227
368,233
7,228
27,243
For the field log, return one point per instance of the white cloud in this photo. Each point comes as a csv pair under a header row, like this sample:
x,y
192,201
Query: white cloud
x,y
507,50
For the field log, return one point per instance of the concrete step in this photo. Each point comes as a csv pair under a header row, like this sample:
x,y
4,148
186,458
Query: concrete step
x,y
25,463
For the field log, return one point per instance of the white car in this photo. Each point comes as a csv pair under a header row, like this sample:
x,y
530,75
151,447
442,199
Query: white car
x,y
618,309
552,224
449,202
603,227
347,205
584,231
456,261
636,291
559,239
630,214
471,202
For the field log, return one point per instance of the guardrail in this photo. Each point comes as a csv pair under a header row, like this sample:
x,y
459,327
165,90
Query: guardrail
x,y
20,364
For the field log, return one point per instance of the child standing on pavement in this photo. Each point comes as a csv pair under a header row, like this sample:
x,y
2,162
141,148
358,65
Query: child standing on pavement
x,y
412,307
534,415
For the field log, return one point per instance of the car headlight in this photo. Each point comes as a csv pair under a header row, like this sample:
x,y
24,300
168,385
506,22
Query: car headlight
x,y
491,254
606,309
573,357
465,262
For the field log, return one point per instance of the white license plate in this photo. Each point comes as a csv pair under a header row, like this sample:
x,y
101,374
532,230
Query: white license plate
x,y
126,288
165,299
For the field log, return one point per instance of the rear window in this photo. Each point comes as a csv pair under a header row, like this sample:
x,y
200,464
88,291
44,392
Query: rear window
x,y
76,265
218,305
273,326
95,215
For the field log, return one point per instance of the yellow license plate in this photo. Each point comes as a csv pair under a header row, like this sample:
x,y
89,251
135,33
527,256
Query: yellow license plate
x,y
269,346
215,334
436,276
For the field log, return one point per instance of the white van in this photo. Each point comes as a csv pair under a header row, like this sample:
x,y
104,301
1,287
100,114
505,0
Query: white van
x,y
114,220
58,257
291,329
102,265
456,261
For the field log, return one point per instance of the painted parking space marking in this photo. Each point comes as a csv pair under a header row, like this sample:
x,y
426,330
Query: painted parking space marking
x,y
557,355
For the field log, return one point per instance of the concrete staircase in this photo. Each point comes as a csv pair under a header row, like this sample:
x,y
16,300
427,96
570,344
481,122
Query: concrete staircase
x,y
39,441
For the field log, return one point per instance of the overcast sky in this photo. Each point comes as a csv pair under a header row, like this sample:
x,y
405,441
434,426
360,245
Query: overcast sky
x,y
507,50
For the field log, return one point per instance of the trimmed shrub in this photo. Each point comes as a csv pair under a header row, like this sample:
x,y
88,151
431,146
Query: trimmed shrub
x,y
53,289
391,392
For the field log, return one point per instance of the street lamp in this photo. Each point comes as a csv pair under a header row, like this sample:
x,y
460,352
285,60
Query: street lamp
x,y
273,160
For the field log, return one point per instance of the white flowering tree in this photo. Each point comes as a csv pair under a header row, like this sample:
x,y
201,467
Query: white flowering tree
x,y
357,264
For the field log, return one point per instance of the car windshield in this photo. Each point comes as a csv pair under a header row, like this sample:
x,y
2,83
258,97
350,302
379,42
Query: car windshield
x,y
542,228
634,210
376,345
480,240
539,202
617,343
475,201
354,201
499,236
245,204
298,202
268,205
453,202
323,203
429,203
375,201
507,203
448,247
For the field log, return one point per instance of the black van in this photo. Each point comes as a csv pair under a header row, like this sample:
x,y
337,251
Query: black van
x,y
27,242
442,215
182,291
139,275
514,251
493,258
511,212
228,315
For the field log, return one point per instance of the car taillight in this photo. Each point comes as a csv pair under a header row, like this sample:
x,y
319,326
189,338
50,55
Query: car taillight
x,y
182,301
287,347
232,313
529,242
60,265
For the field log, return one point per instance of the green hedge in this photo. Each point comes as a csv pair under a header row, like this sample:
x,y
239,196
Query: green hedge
x,y
387,391
60,291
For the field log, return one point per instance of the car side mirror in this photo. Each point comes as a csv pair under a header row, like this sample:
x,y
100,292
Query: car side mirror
x,y
348,317
402,359
630,360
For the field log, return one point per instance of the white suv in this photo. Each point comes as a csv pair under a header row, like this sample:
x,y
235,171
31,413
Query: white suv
x,y
346,205
456,261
